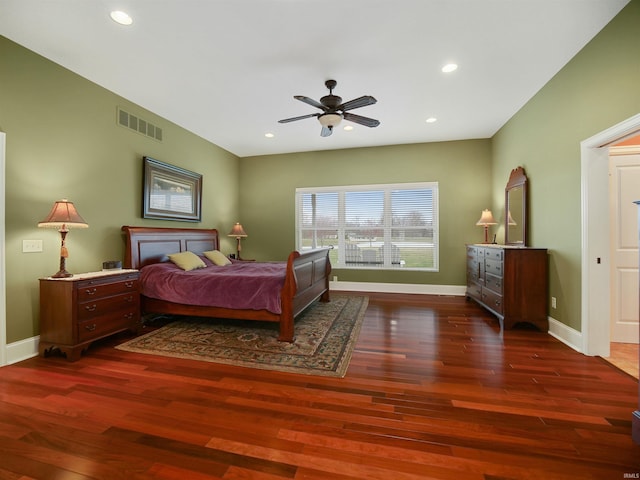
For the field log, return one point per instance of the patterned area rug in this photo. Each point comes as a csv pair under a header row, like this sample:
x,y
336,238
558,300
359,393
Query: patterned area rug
x,y
325,334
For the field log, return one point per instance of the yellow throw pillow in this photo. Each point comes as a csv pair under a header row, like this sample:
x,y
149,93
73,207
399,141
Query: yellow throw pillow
x,y
187,261
217,257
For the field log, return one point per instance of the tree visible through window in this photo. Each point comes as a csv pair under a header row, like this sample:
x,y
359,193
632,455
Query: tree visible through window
x,y
371,226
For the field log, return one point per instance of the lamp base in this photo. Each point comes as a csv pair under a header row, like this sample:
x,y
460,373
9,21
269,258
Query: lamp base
x,y
62,274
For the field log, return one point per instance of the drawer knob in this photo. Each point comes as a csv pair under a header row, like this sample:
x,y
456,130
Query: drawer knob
x,y
90,308
128,284
90,328
129,299
90,291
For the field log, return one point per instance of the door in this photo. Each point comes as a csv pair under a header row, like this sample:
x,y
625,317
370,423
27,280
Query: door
x,y
3,316
624,177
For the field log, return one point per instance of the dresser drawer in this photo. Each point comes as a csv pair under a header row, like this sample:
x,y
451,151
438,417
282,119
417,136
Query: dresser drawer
x,y
474,290
493,254
492,300
472,274
493,283
91,289
493,267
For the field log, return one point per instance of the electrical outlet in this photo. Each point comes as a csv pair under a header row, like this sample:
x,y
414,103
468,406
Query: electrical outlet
x,y
29,246
553,302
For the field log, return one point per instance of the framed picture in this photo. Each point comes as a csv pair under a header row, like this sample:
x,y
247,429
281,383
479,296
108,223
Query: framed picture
x,y
170,192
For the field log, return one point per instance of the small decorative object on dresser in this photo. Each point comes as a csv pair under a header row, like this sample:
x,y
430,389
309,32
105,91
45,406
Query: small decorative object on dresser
x,y
511,282
78,310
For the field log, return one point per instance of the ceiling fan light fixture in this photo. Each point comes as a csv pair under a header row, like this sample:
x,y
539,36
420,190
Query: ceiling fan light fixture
x,y
330,119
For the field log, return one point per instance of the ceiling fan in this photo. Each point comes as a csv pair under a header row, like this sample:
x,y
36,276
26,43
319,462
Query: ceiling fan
x,y
333,110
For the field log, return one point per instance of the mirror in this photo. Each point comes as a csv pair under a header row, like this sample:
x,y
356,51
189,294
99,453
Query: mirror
x,y
516,209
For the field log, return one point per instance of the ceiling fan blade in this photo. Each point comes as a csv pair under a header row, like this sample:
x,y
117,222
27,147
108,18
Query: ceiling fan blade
x,y
326,131
310,101
357,103
293,119
366,121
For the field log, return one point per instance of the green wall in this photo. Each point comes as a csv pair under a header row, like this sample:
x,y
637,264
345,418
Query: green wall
x,y
462,170
598,88
63,142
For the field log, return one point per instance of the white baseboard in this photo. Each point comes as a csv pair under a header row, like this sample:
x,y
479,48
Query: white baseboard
x,y
565,334
22,350
458,290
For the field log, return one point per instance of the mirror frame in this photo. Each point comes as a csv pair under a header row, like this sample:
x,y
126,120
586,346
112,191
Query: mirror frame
x,y
517,179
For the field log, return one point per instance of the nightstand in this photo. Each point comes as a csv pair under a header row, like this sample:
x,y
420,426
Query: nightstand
x,y
78,310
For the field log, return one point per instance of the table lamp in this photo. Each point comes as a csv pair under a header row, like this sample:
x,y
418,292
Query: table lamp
x,y
238,232
486,219
63,216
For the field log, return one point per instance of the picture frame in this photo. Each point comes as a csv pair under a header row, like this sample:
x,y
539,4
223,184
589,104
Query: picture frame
x,y
170,192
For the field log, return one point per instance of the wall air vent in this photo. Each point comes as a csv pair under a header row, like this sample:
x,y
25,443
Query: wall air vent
x,y
137,124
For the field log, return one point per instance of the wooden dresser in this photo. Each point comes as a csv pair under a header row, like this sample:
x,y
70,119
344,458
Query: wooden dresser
x,y
78,310
511,282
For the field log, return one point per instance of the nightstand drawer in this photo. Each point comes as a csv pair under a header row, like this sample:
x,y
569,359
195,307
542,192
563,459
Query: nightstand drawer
x,y
102,326
91,289
105,305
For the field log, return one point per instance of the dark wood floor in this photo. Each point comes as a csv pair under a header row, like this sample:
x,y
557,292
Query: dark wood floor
x,y
433,391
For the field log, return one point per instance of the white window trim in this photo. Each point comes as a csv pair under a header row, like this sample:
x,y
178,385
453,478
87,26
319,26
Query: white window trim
x,y
387,187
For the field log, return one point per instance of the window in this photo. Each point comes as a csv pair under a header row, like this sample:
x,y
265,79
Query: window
x,y
371,226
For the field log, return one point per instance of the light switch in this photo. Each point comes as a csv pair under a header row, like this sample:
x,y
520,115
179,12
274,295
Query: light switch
x,y
29,246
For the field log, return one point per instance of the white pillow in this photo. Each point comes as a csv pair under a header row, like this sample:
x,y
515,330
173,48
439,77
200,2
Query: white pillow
x,y
217,257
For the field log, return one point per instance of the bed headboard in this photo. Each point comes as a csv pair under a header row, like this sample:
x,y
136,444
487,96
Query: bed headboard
x,y
147,245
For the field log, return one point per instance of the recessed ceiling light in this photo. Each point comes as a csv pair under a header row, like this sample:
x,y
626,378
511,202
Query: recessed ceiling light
x,y
449,67
269,135
121,17
431,120
348,128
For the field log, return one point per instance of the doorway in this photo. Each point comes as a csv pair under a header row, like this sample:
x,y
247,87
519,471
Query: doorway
x,y
624,182
596,261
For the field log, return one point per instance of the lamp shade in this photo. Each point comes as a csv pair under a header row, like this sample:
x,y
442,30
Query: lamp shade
x,y
63,215
237,231
486,218
330,119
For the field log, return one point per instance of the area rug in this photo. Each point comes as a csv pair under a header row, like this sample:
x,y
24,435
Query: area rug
x,y
325,335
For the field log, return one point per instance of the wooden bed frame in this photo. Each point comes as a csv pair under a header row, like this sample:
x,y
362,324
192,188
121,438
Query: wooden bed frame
x,y
307,277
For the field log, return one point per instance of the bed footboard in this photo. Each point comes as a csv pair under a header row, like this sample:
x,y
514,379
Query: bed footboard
x,y
307,280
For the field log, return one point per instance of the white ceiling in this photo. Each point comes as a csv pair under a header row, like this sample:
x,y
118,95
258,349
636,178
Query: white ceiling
x,y
227,70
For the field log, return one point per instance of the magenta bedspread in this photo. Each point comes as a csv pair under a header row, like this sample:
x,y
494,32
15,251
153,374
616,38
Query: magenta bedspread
x,y
241,285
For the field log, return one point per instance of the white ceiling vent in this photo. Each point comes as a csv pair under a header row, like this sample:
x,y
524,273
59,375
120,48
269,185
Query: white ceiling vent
x,y
137,124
